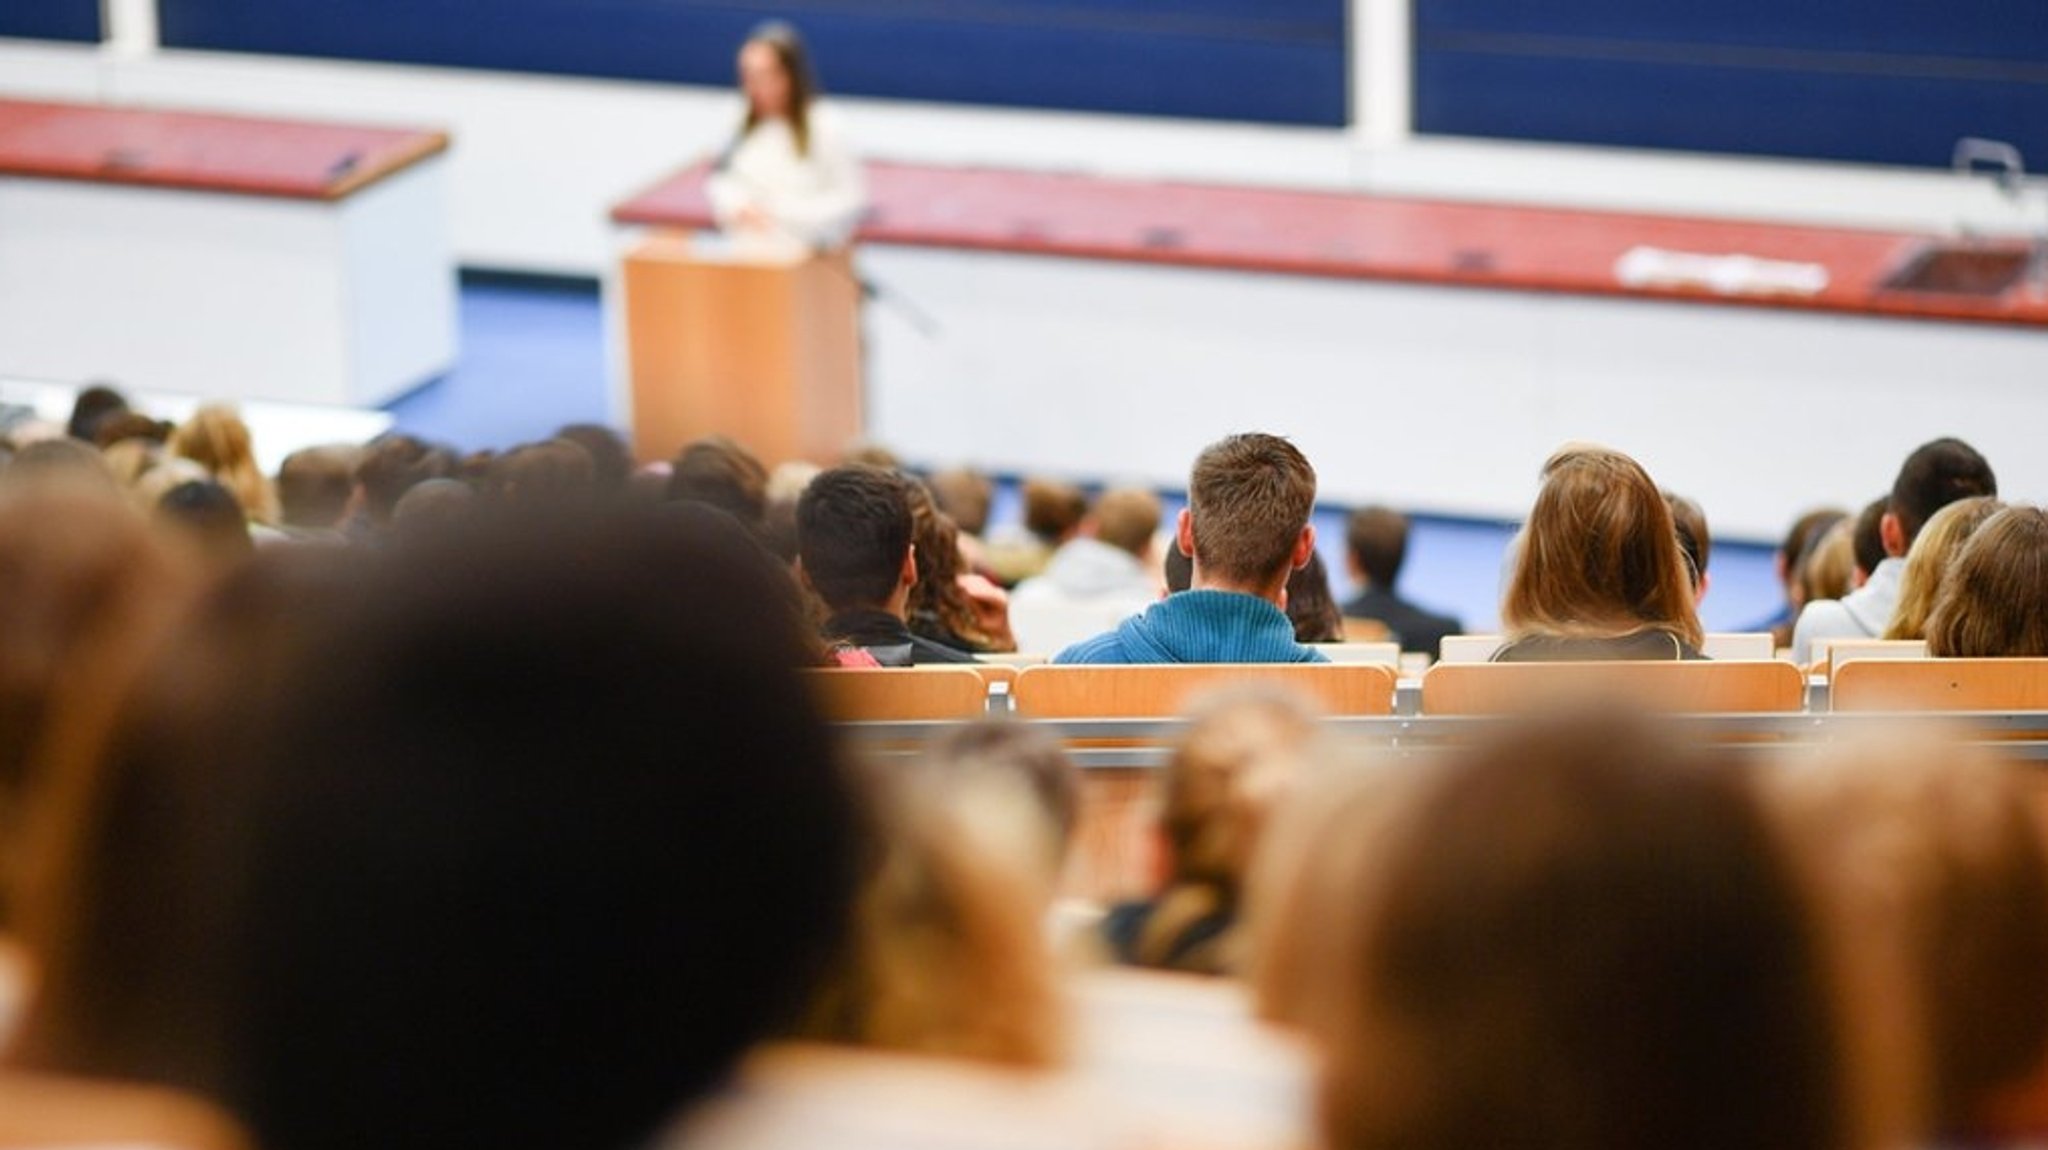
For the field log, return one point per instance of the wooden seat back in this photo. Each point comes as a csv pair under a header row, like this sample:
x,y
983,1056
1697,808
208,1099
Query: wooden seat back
x,y
1163,691
1701,687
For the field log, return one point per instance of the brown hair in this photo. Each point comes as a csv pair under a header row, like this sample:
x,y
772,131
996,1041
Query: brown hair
x,y
795,59
216,438
1249,496
1932,553
1934,857
718,471
1311,607
1377,538
1828,569
1127,518
1242,748
1577,934
1993,602
1599,556
937,596
314,485
965,494
1053,509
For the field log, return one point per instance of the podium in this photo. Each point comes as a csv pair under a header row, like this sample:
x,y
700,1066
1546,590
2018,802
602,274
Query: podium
x,y
756,342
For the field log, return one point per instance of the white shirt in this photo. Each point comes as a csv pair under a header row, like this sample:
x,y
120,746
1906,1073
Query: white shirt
x,y
815,198
1861,614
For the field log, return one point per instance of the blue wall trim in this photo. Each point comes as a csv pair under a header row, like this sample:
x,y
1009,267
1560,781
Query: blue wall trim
x,y
1269,61
1876,81
75,20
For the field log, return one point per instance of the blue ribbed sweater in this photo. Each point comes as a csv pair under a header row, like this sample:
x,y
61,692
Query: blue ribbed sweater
x,y
1198,627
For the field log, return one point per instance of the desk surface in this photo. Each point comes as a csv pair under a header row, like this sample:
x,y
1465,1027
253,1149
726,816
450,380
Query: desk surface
x,y
1353,236
284,158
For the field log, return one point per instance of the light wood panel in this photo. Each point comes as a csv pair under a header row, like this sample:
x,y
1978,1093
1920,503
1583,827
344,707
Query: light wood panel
x,y
1686,687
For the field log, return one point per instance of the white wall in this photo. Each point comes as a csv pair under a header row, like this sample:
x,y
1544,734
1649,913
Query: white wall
x,y
538,161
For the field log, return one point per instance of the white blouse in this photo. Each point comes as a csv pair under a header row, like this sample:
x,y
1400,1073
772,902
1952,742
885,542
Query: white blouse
x,y
817,198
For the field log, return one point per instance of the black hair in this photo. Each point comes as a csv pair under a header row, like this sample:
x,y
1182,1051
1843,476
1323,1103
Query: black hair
x,y
853,528
1937,474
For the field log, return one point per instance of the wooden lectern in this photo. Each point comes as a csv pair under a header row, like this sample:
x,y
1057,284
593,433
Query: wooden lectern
x,y
761,344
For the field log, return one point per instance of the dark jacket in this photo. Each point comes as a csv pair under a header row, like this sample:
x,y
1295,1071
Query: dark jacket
x,y
888,639
1414,628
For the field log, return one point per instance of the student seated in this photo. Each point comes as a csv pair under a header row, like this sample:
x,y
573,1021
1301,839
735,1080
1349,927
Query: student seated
x,y
1994,600
1241,753
1598,573
1246,528
853,536
1376,544
1104,571
1929,560
1935,475
1576,935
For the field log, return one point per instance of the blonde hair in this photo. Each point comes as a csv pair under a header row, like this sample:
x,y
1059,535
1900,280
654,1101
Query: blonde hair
x,y
1599,557
1933,552
1241,752
216,438
948,955
1994,600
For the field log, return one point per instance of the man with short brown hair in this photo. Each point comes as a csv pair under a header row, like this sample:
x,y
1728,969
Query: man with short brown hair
x,y
1247,528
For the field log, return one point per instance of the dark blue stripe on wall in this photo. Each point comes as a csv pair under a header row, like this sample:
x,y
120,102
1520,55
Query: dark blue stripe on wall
x,y
1880,81
1272,61
77,20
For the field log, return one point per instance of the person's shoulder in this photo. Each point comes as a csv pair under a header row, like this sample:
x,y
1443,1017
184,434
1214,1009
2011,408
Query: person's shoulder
x,y
1103,648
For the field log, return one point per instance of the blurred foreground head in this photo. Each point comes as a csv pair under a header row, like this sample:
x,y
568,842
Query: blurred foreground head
x,y
1573,935
534,832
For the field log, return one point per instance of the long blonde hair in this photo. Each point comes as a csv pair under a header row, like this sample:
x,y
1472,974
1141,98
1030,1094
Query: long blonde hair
x,y
1934,551
1599,557
216,438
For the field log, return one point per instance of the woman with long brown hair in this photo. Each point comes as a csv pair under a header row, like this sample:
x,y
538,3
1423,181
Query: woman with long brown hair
x,y
1599,574
788,172
1994,600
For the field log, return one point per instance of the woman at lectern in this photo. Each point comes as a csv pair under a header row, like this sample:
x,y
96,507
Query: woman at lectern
x,y
788,171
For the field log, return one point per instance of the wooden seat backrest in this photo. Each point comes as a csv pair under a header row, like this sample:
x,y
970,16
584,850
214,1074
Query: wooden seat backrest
x,y
1702,687
1941,685
1159,691
902,694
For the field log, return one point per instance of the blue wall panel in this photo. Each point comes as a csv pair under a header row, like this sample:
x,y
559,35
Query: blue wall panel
x,y
1878,81
1274,61
51,19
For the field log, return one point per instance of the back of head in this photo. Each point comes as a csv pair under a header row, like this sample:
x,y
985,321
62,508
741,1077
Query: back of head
x,y
1241,752
209,517
314,485
1694,542
1599,555
853,528
432,508
125,425
1377,538
1937,474
1250,495
717,471
1311,607
1928,563
544,477
937,594
609,455
1021,751
947,955
1828,569
65,459
966,495
1127,518
1935,858
1052,508
92,407
1867,536
85,587
216,438
1993,602
1580,935
540,843
391,465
